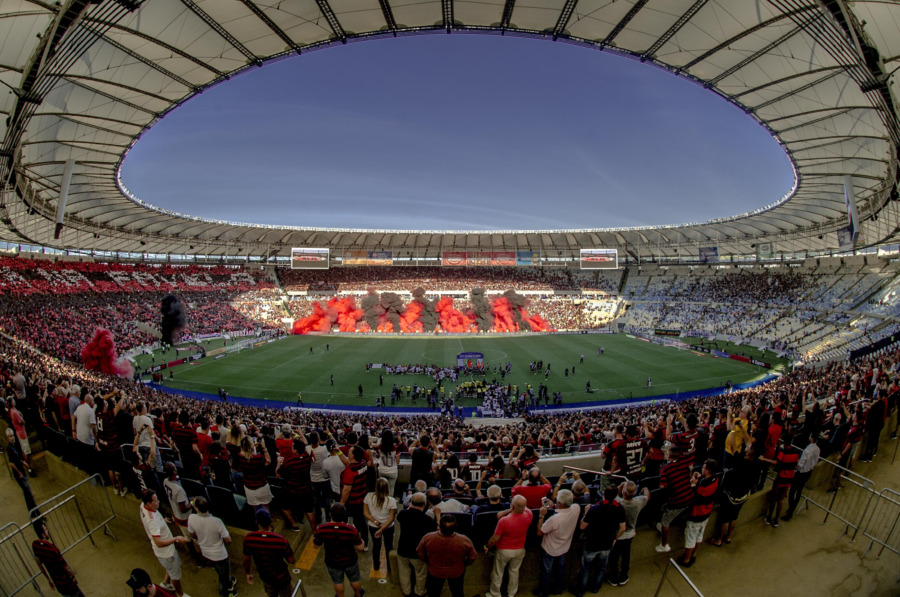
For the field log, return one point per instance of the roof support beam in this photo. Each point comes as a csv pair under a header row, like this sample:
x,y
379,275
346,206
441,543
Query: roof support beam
x,y
681,22
564,17
388,15
110,96
262,16
333,22
820,110
507,13
636,8
773,82
817,120
215,26
794,92
74,78
754,56
447,12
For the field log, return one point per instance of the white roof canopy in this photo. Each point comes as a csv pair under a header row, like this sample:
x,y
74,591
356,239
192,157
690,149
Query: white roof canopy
x,y
86,79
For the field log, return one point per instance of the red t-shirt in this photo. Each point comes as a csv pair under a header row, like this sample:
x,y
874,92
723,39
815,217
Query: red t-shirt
x,y
513,529
532,493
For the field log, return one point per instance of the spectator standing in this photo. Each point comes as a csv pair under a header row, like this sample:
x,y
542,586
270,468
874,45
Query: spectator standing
x,y
380,510
785,461
321,488
18,423
675,476
271,552
620,557
509,539
84,422
414,525
342,542
17,467
447,554
53,565
212,537
533,486
808,460
705,484
333,467
557,533
737,487
297,496
353,492
387,459
253,462
604,523
422,460
162,542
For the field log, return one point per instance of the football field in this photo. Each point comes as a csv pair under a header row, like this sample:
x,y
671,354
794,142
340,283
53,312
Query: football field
x,y
278,370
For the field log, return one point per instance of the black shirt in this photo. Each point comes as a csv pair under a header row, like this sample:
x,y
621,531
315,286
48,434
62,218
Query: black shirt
x,y
414,525
604,521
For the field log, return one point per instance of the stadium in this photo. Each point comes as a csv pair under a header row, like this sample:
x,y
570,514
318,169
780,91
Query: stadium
x,y
133,337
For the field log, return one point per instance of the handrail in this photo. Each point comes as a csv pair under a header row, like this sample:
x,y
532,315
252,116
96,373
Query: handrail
x,y
690,583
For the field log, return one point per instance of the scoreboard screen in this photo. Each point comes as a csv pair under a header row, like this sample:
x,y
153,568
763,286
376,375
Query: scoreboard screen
x,y
309,258
599,259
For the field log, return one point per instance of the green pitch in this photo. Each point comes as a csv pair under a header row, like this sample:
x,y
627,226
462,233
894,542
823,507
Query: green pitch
x,y
278,370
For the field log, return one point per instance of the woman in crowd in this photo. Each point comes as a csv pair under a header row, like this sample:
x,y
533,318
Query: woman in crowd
x,y
254,460
380,510
387,460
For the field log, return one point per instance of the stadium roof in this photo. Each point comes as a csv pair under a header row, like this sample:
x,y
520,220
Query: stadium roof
x,y
87,78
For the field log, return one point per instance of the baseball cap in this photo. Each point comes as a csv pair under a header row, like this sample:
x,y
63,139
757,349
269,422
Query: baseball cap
x,y
139,579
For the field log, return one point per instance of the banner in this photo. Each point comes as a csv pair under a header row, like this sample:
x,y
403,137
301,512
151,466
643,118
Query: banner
x,y
709,254
845,238
666,332
309,258
528,258
764,251
367,258
599,259
485,258
469,359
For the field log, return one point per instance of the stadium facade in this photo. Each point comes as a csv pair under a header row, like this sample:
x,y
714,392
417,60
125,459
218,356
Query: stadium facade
x,y
87,78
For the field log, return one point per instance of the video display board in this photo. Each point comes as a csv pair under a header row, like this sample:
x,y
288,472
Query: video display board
x,y
309,258
599,259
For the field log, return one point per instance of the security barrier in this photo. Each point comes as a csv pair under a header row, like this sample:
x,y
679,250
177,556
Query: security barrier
x,y
841,493
299,589
18,568
883,526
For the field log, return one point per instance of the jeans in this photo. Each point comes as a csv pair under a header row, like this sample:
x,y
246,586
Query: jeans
x,y
797,485
388,536
359,521
553,572
620,559
223,570
322,499
434,585
589,560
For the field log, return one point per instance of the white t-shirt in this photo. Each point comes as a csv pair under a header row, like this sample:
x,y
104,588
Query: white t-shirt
x,y
142,422
333,467
211,534
382,514
316,473
84,418
176,496
156,526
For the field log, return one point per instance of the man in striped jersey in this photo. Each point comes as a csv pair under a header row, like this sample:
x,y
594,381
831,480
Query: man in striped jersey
x,y
675,476
53,565
342,542
785,462
704,486
271,552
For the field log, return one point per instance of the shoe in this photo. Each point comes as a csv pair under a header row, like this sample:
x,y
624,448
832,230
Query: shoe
x,y
623,581
663,548
768,520
366,548
115,491
294,528
167,586
232,594
687,564
33,474
612,581
786,517
775,522
233,584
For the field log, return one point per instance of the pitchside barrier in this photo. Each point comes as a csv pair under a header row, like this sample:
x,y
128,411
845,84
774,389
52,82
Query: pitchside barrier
x,y
70,517
672,564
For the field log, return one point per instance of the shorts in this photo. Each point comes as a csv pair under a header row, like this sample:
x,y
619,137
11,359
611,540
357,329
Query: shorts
x,y
779,492
729,512
259,497
693,533
25,445
337,574
670,514
172,566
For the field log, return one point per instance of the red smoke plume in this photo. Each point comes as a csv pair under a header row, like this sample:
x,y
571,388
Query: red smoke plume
x,y
342,312
509,316
100,355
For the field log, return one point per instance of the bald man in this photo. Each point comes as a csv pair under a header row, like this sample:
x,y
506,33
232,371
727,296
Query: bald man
x,y
509,539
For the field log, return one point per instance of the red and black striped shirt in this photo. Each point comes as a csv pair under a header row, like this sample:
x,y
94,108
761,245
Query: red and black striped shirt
x,y
355,476
254,470
295,472
677,477
340,541
786,466
48,555
184,438
269,551
704,499
687,441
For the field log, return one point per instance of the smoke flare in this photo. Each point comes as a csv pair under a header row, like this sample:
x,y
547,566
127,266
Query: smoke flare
x,y
100,355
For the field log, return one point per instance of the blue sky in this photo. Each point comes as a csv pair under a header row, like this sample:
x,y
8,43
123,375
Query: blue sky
x,y
458,132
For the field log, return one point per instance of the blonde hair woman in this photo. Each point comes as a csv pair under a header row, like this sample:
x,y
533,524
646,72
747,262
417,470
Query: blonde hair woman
x,y
253,466
380,510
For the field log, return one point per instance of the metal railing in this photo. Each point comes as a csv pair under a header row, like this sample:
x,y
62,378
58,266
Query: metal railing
x,y
883,526
299,589
841,493
670,564
18,568
77,513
